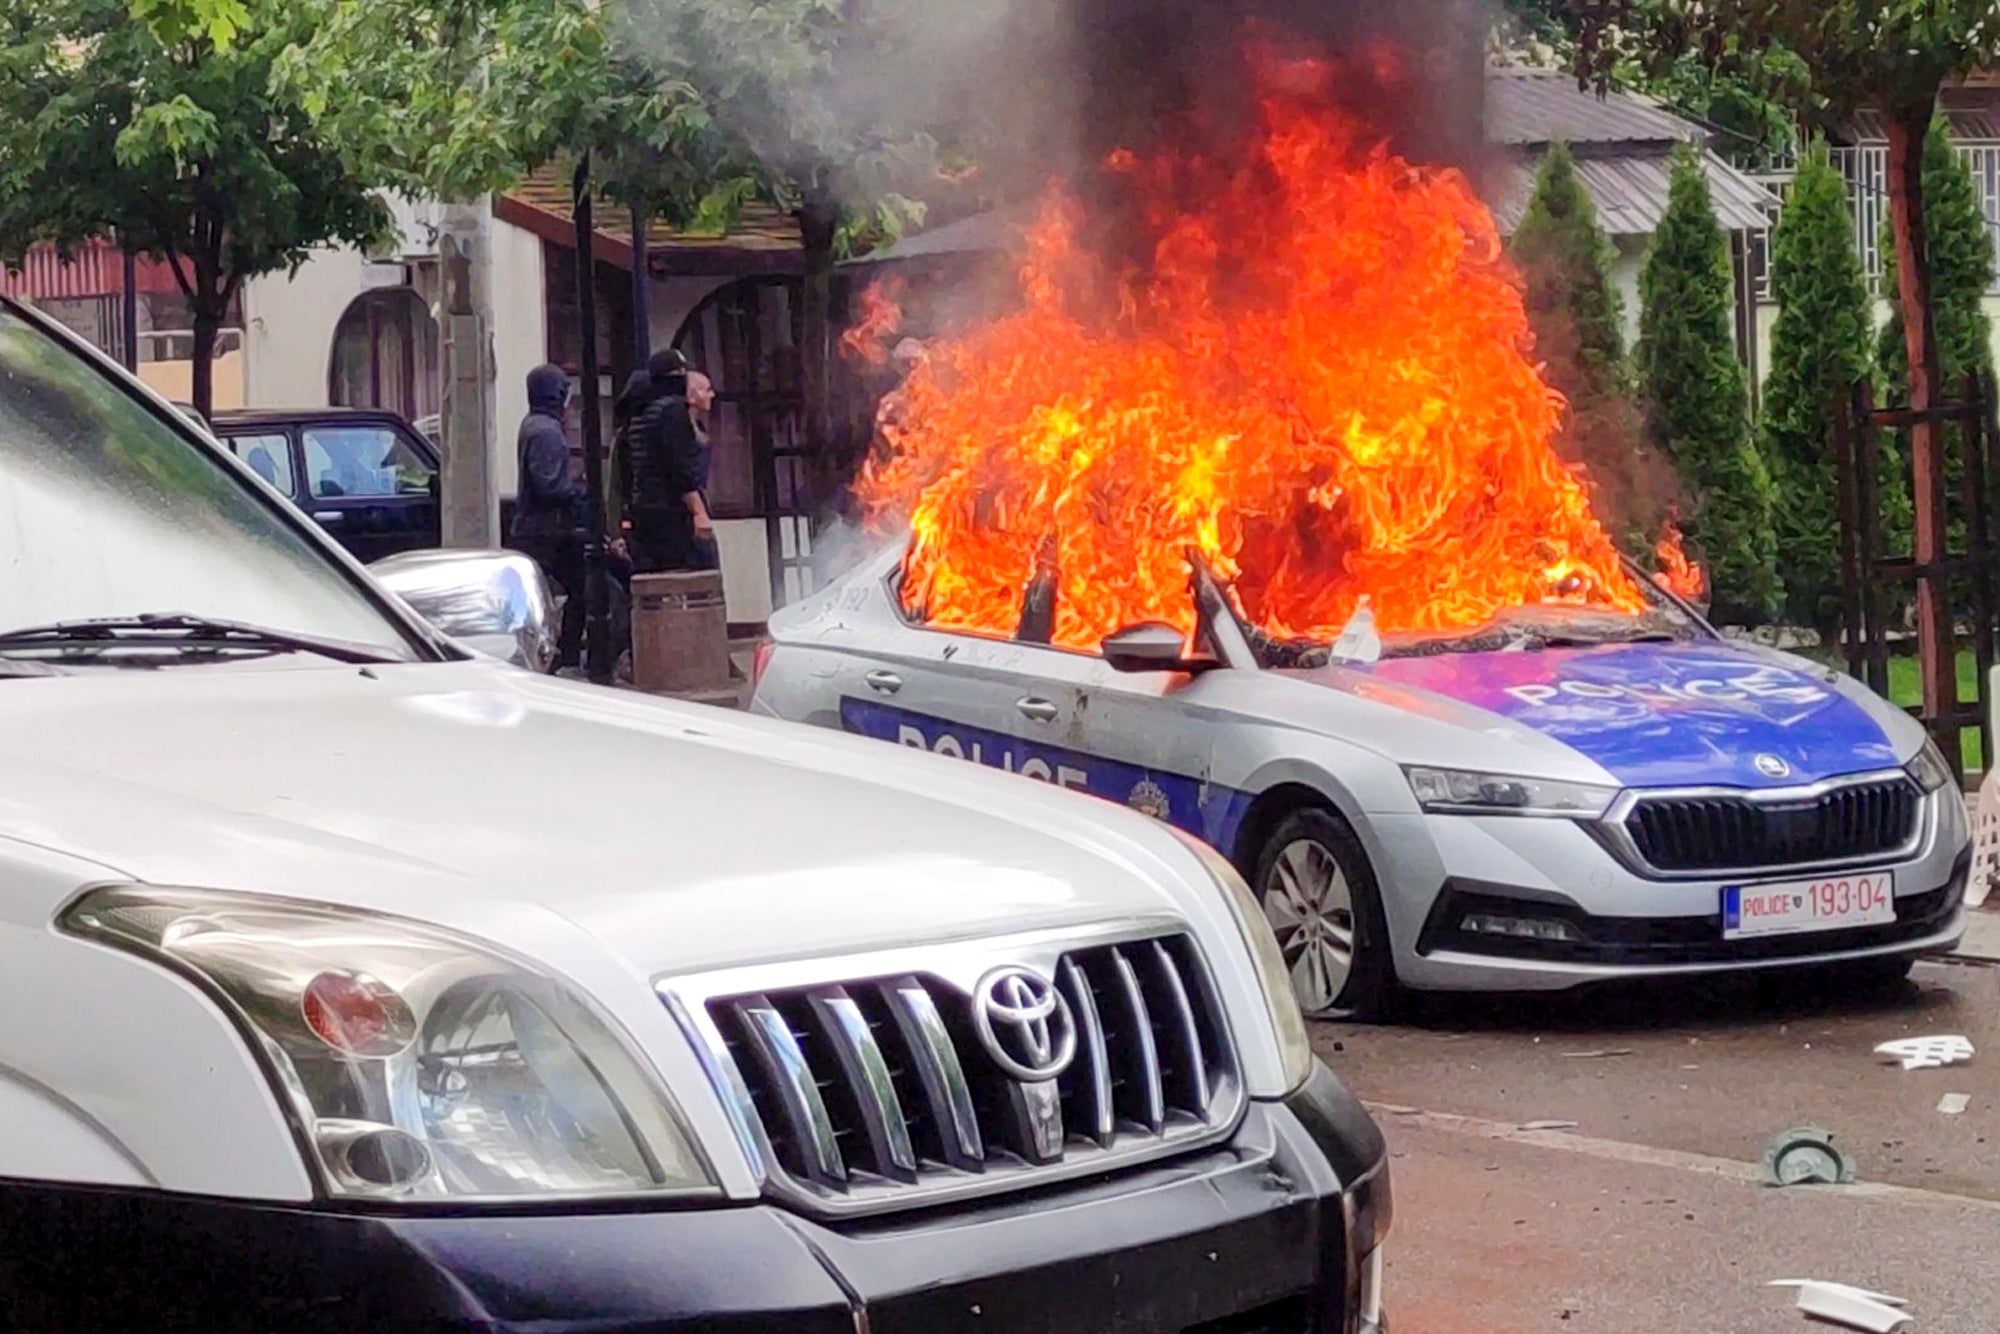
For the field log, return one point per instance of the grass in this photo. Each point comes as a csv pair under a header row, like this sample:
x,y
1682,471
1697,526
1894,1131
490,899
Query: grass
x,y
1906,688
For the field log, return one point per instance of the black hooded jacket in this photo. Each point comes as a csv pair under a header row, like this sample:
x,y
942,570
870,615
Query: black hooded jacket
x,y
550,499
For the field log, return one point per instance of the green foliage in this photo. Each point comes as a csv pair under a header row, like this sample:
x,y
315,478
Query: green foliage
x,y
1819,351
182,147
1961,263
690,108
1893,54
1566,262
1692,388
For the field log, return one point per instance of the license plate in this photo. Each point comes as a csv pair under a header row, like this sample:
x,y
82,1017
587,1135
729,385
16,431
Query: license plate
x,y
1827,904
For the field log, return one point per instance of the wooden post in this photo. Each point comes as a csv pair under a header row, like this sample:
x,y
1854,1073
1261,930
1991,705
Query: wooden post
x,y
1847,426
602,657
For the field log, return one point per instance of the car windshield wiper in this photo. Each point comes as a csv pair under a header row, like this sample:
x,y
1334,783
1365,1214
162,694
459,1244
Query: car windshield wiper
x,y
176,631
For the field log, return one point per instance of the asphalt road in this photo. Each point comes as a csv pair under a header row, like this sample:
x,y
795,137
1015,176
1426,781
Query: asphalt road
x,y
1649,1214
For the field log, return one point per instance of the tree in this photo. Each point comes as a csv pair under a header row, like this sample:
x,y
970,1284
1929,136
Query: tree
x,y
1819,350
1696,400
1578,319
1566,262
180,147
1892,55
1961,262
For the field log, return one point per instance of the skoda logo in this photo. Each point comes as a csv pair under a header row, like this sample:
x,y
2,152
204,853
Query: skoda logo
x,y
1024,1023
1772,767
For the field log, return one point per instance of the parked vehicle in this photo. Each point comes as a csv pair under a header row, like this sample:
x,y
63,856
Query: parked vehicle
x,y
363,474
350,980
1557,799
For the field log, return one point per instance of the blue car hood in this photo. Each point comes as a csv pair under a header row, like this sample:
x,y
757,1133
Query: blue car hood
x,y
1659,715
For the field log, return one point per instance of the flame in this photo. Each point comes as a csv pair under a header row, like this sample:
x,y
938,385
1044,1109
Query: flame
x,y
1677,574
1324,385
881,315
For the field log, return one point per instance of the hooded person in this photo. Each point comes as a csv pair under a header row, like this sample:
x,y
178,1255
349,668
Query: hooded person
x,y
671,529
549,508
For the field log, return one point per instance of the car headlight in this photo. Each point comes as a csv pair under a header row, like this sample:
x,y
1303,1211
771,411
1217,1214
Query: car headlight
x,y
1928,768
417,1064
1273,977
1467,792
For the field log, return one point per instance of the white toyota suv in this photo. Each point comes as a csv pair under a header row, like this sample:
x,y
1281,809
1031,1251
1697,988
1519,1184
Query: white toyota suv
x,y
353,980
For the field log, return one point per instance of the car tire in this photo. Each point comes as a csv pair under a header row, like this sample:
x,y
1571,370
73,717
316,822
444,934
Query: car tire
x,y
1320,896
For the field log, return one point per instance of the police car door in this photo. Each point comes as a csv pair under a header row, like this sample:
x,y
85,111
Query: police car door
x,y
1152,739
989,701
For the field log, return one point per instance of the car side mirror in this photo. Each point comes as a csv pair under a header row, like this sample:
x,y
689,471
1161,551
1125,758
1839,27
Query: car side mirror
x,y
496,603
1152,646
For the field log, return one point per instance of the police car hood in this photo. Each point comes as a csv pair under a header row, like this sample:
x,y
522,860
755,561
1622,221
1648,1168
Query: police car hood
x,y
489,800
1698,713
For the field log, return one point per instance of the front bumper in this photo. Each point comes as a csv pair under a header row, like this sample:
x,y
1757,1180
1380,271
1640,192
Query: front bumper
x,y
1433,869
1250,1237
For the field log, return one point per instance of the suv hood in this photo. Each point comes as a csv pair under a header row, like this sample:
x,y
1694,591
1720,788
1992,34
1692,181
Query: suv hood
x,y
684,838
1702,713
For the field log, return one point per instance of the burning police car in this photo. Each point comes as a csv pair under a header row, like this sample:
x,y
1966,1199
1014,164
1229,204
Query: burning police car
x,y
1559,797
351,980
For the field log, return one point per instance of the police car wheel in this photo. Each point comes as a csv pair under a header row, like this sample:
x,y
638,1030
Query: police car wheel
x,y
1319,895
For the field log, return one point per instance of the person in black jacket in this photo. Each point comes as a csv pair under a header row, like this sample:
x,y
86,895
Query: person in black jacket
x,y
671,529
549,508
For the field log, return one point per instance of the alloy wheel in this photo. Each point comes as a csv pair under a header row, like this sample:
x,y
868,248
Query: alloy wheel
x,y
1311,910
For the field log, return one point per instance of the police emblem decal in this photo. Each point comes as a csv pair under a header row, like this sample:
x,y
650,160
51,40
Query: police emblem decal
x,y
1150,798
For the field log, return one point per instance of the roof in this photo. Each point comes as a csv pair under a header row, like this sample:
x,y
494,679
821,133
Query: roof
x,y
293,416
1622,143
1537,107
765,239
1630,193
1968,124
979,234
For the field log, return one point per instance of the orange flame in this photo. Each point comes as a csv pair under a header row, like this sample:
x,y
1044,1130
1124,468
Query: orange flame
x,y
866,341
1677,574
1325,387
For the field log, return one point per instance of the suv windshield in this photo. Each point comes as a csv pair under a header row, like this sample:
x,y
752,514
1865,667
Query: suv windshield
x,y
106,512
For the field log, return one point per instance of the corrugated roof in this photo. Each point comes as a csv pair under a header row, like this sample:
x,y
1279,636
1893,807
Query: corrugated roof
x,y
978,234
1631,194
1533,107
543,204
1968,124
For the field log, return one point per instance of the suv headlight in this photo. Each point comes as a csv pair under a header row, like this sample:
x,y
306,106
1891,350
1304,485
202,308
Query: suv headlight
x,y
1467,792
417,1064
1273,977
1929,768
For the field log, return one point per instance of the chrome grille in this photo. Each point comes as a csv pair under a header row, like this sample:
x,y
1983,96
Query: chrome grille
x,y
1725,831
866,1087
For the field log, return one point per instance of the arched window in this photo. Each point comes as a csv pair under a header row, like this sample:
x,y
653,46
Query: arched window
x,y
385,355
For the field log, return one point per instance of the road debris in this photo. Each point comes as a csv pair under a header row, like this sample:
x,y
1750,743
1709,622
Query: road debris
x,y
1597,1055
1806,1156
1839,1304
1548,1125
1952,1104
1928,1053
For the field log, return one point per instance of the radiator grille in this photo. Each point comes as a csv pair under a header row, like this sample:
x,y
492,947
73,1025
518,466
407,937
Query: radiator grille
x,y
884,1089
1703,833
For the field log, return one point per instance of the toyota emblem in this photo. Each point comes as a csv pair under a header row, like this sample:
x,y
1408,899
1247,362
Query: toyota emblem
x,y
1771,766
1024,1023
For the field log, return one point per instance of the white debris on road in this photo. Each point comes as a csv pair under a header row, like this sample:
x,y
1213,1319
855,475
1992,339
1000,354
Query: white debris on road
x,y
1839,1304
1930,1053
1953,1104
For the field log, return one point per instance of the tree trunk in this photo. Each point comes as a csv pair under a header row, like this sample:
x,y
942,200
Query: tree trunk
x,y
1908,125
206,323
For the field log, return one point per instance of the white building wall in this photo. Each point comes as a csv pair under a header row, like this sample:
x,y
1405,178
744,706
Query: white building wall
x,y
520,338
288,344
